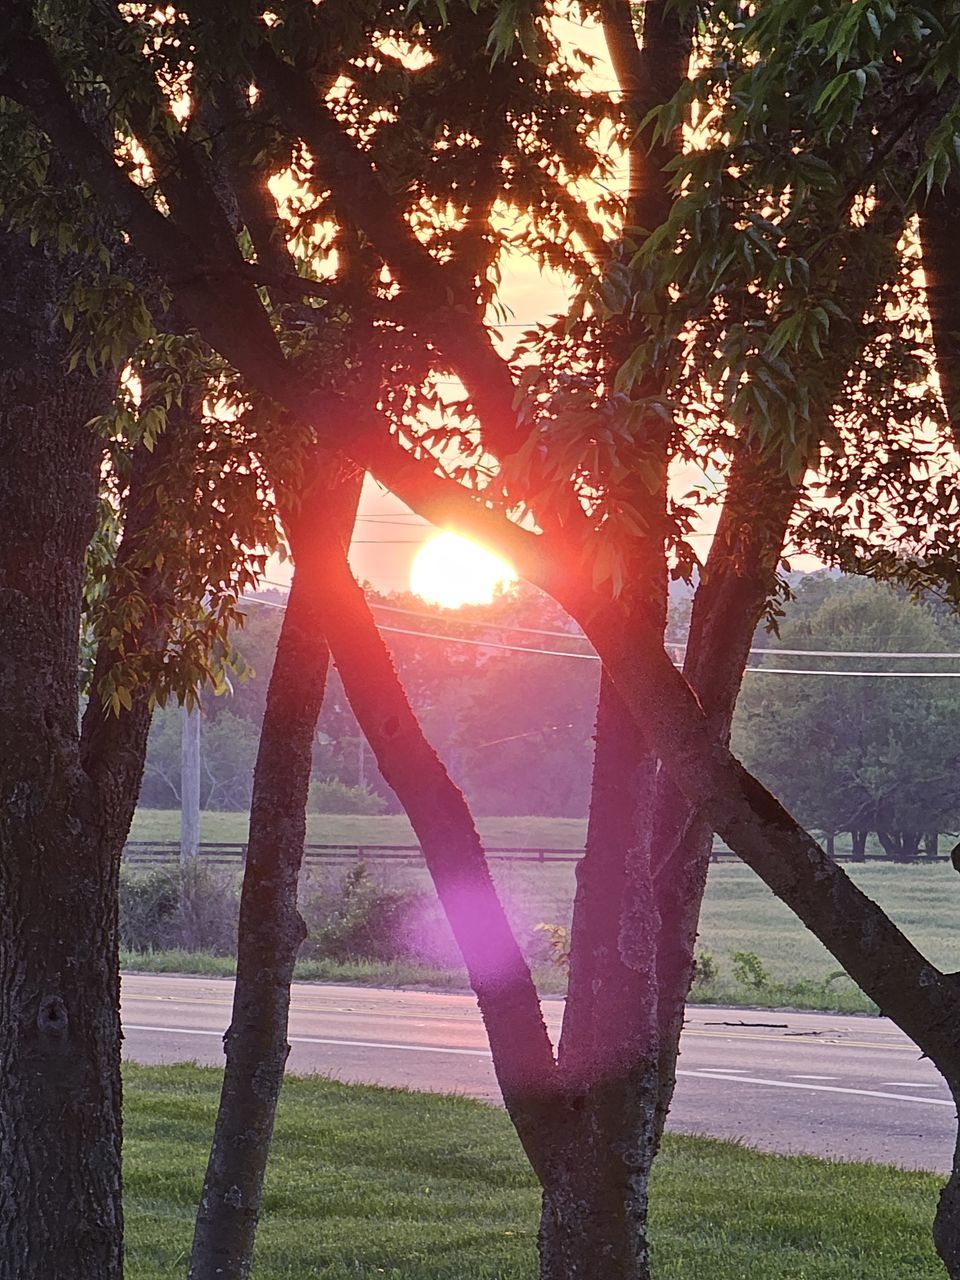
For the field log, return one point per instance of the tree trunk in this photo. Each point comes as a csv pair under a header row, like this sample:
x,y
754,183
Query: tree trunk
x,y
910,844
60,1210
890,844
831,844
859,842
593,1222
931,843
60,1205
946,1222
499,974
271,929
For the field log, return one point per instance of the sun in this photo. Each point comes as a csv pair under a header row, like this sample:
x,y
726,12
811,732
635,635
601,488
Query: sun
x,y
450,571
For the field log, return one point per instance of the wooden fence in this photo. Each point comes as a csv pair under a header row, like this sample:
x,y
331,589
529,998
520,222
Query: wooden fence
x,y
145,853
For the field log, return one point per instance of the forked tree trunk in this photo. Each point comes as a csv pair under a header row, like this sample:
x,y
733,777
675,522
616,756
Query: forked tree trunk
x,y
593,1222
271,929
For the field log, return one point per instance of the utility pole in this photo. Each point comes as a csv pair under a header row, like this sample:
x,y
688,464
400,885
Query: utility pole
x,y
189,784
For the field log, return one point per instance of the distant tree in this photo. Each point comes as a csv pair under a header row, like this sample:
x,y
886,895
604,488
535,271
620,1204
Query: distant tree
x,y
228,751
523,737
852,753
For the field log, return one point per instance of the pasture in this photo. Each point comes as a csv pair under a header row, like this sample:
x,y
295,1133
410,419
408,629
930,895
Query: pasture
x,y
740,915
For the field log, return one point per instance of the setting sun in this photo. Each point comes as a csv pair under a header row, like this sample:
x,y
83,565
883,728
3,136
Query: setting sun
x,y
450,571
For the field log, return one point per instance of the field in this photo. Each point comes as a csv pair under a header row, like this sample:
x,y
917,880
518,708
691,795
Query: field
x,y
739,915
519,833
368,1182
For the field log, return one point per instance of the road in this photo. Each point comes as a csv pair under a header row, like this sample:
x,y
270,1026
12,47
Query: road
x,y
849,1088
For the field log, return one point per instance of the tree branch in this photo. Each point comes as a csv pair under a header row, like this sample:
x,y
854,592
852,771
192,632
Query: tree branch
x,y
886,965
522,1054
111,745
441,313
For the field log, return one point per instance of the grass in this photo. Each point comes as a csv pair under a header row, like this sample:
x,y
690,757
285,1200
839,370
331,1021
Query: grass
x,y
739,915
369,1182
393,828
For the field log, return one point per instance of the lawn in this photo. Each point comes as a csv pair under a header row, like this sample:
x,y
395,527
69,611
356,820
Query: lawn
x,y
739,914
368,1182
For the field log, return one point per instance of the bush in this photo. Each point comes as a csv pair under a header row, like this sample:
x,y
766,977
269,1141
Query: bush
x,y
333,796
705,967
748,969
363,921
557,948
149,902
191,910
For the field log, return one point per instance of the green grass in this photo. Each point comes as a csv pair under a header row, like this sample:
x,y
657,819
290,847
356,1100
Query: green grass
x,y
323,828
368,1182
739,914
361,973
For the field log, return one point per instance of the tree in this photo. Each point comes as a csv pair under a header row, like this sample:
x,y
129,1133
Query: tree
x,y
850,754
65,805
524,736
228,752
584,443
88,570
271,929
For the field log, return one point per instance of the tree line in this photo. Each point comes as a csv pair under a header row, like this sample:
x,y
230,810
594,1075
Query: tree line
x,y
850,756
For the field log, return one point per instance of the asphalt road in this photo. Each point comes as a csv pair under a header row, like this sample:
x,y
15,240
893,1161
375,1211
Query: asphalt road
x,y
850,1088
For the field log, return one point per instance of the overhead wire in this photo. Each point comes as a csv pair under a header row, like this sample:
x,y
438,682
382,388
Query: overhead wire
x,y
762,650
593,657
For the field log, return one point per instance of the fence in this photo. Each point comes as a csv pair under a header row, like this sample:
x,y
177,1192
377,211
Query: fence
x,y
165,852
160,852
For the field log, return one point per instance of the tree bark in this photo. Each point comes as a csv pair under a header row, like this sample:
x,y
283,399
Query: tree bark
x,y
60,1127
859,844
271,929
593,1222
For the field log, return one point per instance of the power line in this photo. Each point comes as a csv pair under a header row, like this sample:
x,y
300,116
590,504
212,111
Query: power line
x,y
592,657
762,650
902,675
477,622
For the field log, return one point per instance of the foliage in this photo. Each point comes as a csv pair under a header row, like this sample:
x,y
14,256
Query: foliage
x,y
748,969
330,795
558,941
148,909
191,909
856,753
364,921
228,751
705,967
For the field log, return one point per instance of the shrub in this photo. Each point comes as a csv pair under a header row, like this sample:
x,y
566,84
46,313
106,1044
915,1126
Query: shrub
x,y
209,912
748,969
148,908
333,796
557,937
363,920
190,909
705,967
